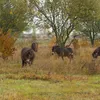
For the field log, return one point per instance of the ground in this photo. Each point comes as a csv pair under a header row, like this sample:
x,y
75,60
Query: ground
x,y
50,78
77,89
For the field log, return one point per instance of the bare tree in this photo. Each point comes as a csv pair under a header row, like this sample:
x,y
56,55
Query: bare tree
x,y
56,14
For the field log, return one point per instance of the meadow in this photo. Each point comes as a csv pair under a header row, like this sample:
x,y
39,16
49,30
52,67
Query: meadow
x,y
50,78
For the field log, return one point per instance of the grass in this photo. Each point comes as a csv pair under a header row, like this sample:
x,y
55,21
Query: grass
x,y
50,78
50,90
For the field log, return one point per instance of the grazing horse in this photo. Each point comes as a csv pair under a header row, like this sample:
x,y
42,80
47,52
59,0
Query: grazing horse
x,y
54,48
63,51
27,56
34,46
96,52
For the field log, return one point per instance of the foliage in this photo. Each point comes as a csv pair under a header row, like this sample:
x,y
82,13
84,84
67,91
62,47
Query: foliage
x,y
13,15
88,17
7,43
84,10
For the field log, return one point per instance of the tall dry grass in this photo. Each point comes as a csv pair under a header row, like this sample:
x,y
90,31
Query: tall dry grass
x,y
46,64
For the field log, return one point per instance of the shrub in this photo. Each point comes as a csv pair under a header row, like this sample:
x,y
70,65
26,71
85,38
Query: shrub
x,y
7,43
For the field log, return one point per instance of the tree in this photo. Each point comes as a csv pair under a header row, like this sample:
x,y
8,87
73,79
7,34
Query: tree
x,y
13,20
56,14
91,31
13,15
88,17
7,44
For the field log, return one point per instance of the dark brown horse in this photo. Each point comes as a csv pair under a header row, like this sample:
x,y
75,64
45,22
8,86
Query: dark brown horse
x,y
96,52
34,46
27,56
63,52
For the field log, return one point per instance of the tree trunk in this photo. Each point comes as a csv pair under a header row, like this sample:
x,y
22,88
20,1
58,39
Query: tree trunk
x,y
92,41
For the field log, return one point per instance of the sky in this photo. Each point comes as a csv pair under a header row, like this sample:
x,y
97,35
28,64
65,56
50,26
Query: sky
x,y
28,31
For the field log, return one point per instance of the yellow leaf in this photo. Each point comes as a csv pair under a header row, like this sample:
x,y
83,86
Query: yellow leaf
x,y
11,12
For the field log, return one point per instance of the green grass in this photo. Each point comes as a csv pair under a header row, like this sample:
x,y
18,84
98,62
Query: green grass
x,y
88,89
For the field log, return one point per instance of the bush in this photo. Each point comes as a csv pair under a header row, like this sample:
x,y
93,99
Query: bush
x,y
7,43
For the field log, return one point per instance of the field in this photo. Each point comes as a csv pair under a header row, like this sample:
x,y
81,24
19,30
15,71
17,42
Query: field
x,y
50,78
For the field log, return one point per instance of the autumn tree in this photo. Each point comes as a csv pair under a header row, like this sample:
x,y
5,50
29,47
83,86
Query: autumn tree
x,y
13,20
7,44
